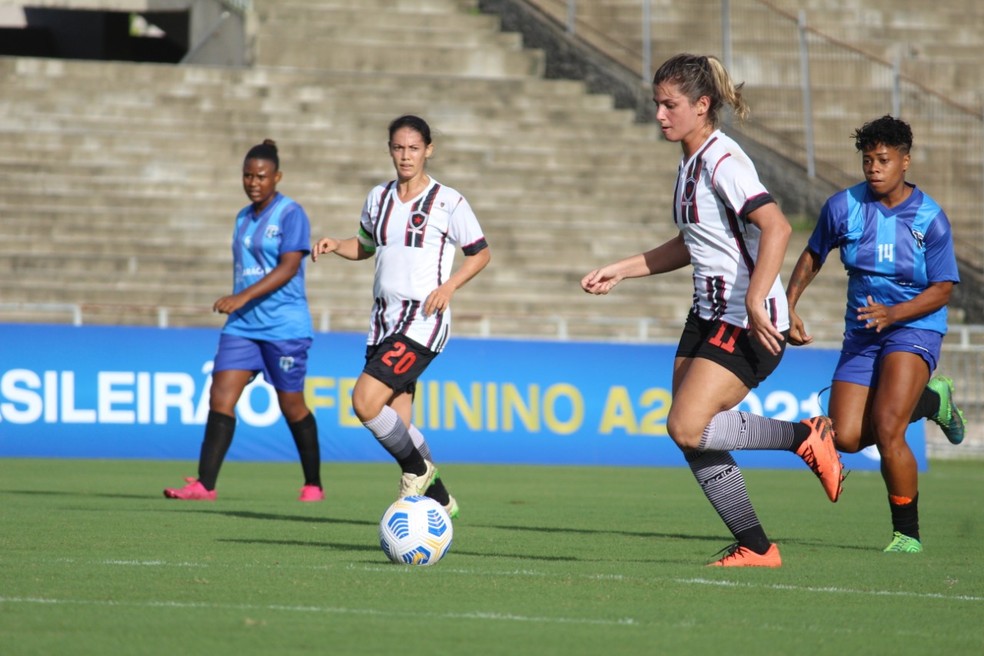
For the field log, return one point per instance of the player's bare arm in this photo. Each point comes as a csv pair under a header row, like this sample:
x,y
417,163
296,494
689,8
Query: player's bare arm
x,y
285,270
806,269
440,299
350,249
772,249
669,256
879,316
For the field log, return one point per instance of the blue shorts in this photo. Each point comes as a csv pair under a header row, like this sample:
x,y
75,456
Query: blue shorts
x,y
863,350
283,362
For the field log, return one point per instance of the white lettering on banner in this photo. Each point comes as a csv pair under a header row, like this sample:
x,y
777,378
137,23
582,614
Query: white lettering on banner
x,y
124,397
781,405
108,395
24,406
180,398
70,414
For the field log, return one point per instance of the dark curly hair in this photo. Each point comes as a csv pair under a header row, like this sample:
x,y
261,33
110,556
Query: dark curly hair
x,y
885,131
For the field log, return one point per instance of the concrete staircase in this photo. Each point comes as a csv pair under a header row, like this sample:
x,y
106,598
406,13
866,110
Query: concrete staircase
x,y
120,181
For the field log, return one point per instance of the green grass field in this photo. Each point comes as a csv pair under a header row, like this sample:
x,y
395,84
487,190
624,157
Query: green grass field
x,y
546,560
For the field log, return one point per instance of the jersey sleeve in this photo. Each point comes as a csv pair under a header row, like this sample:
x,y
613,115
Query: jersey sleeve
x,y
464,228
941,262
295,231
369,209
737,183
824,237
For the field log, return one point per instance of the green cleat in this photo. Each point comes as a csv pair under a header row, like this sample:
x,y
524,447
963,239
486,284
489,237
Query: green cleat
x,y
949,417
903,544
452,508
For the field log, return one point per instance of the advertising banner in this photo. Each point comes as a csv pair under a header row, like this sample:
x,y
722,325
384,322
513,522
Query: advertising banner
x,y
129,392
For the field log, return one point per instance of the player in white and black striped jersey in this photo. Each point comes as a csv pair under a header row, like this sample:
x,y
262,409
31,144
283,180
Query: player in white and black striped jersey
x,y
733,234
412,225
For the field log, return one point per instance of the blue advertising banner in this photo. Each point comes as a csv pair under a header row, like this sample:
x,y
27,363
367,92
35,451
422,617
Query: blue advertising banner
x,y
128,392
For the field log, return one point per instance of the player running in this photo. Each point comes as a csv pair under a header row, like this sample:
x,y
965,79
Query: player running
x,y
411,225
733,234
896,245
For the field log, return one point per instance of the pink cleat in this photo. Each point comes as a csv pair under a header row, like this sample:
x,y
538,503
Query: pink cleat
x,y
193,491
312,493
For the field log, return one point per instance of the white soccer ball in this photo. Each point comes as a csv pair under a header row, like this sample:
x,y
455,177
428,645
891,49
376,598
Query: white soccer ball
x,y
415,531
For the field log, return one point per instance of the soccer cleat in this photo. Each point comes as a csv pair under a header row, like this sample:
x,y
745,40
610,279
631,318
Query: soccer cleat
x,y
412,485
311,493
739,556
193,491
949,417
452,507
820,455
903,544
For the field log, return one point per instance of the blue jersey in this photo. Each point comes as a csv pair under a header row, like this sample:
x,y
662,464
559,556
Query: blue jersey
x,y
258,241
891,254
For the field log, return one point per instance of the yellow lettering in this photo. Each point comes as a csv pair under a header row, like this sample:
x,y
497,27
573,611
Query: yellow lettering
x,y
456,401
512,403
571,393
346,414
618,412
654,421
314,400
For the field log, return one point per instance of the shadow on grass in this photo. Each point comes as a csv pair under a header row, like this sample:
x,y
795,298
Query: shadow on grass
x,y
74,494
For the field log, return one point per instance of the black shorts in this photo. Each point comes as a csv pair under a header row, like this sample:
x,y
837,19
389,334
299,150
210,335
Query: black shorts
x,y
729,346
398,362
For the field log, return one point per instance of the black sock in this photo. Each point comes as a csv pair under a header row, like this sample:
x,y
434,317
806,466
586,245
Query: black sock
x,y
905,517
754,538
413,462
927,406
800,432
219,430
438,492
305,433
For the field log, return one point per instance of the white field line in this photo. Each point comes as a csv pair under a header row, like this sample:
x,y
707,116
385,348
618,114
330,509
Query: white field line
x,y
530,573
327,610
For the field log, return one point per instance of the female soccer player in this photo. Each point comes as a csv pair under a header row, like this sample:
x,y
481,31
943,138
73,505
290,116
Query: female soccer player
x,y
269,325
896,245
733,234
412,225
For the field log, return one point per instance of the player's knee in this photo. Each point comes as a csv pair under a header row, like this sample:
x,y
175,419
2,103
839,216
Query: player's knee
x,y
685,434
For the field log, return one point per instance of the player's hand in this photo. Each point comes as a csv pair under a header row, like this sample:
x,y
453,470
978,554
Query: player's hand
x,y
438,300
601,281
323,247
228,304
875,315
761,328
797,330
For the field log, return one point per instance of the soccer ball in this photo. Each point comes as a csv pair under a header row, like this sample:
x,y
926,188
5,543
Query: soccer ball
x,y
415,531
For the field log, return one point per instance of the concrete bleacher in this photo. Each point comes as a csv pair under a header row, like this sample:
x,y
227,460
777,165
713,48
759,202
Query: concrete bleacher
x,y
120,181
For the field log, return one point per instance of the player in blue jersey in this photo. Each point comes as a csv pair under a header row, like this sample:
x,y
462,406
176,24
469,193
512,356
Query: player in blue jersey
x,y
896,245
269,326
411,226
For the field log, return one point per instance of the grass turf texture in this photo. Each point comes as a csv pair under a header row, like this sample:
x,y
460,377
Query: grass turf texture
x,y
546,560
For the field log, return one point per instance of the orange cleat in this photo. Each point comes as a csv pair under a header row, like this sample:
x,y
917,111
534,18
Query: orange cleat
x,y
739,556
820,455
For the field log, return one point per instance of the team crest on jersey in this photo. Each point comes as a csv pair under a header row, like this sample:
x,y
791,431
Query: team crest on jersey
x,y
415,229
272,231
286,363
688,203
920,238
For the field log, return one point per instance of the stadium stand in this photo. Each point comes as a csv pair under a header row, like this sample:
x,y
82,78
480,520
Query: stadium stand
x,y
120,178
